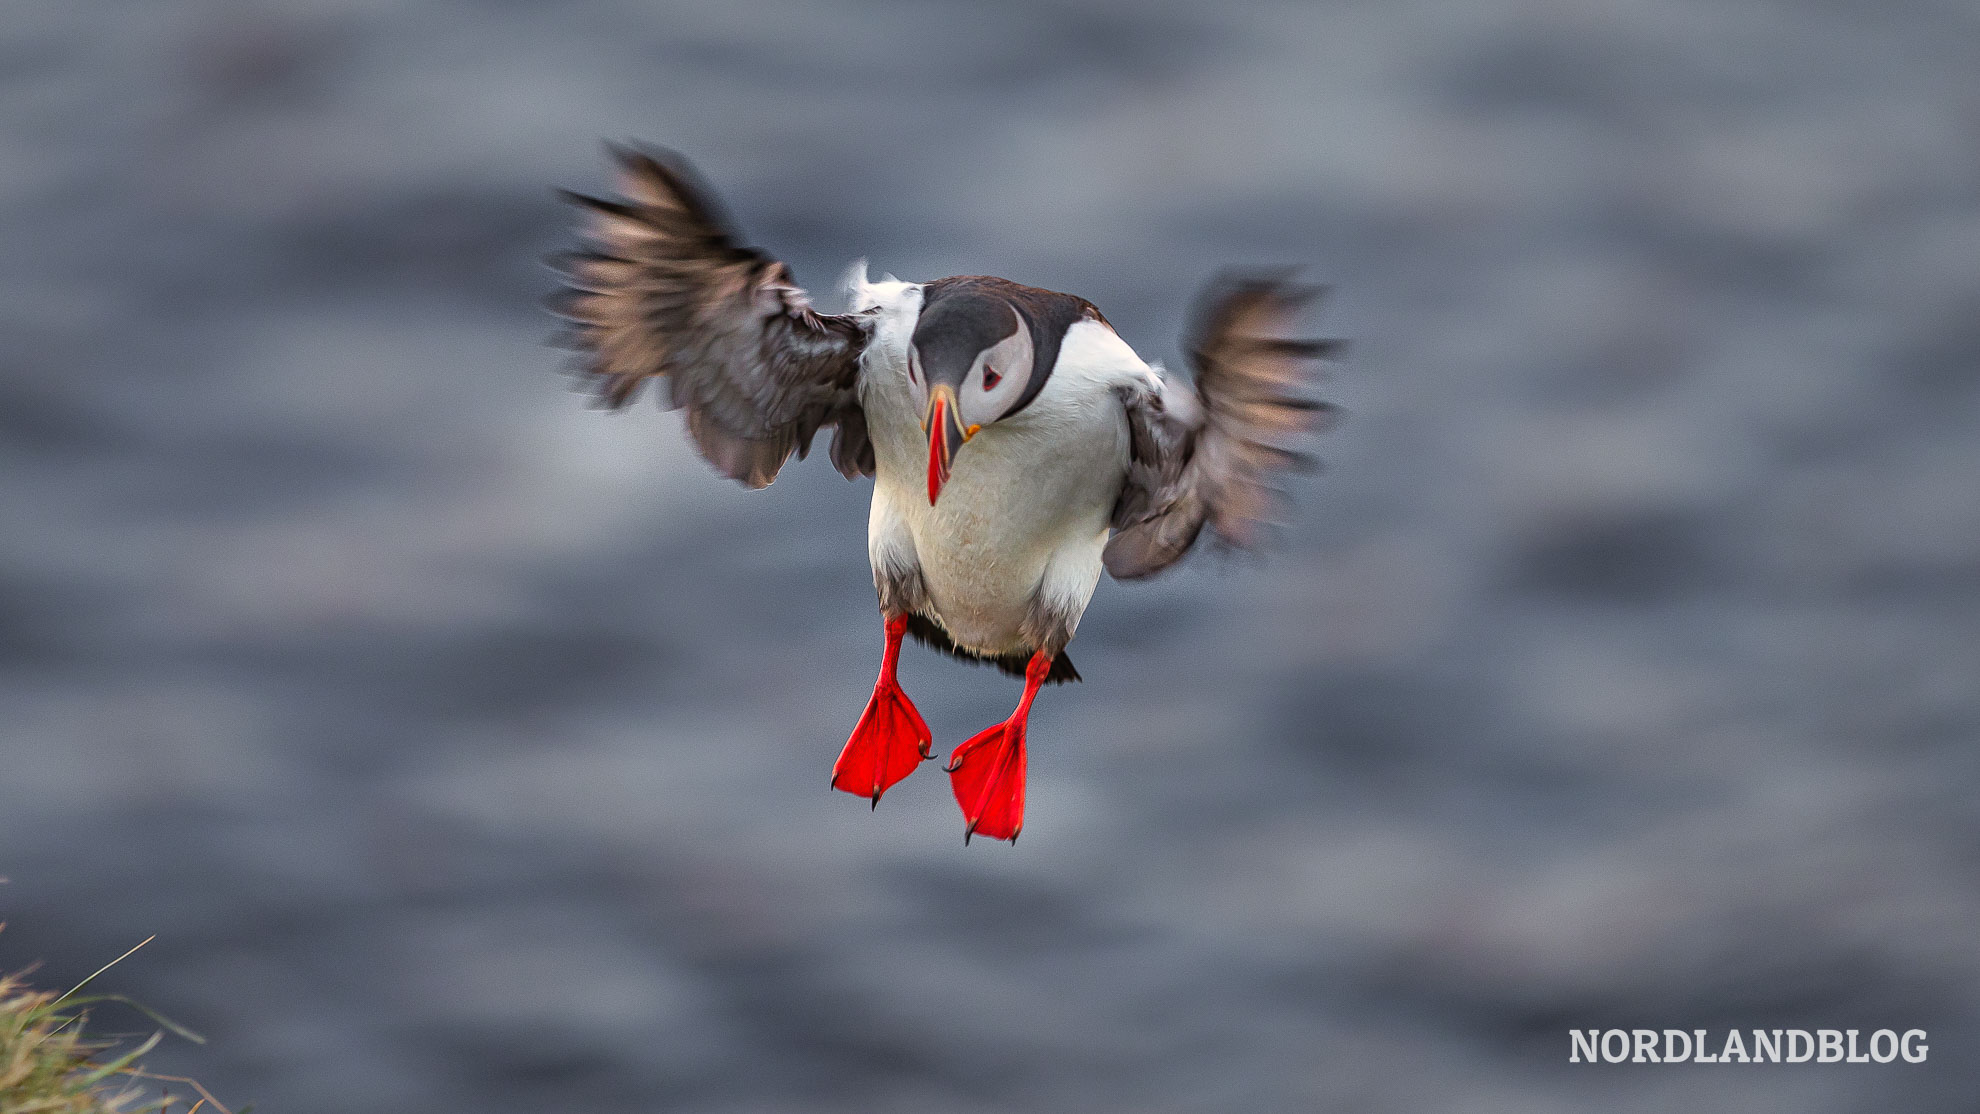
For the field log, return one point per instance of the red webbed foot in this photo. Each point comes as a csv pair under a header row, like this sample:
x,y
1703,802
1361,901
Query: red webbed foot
x,y
987,772
890,741
891,738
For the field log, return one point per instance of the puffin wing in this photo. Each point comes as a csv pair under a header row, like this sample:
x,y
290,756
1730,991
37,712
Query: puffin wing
x,y
1212,455
664,289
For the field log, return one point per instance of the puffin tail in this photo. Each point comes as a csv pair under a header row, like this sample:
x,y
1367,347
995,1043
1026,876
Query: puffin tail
x,y
923,630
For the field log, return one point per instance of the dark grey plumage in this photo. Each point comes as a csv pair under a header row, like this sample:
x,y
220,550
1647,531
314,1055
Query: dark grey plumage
x,y
1217,467
667,290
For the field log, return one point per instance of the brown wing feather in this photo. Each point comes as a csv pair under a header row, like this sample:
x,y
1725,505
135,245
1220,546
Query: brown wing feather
x,y
1215,463
665,290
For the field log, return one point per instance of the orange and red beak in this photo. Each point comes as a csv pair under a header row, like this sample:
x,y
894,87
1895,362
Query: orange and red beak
x,y
945,435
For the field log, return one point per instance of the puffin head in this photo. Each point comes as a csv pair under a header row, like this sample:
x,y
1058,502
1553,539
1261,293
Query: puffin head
x,y
971,360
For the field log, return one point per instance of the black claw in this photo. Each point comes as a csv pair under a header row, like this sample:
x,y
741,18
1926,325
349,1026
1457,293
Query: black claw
x,y
876,803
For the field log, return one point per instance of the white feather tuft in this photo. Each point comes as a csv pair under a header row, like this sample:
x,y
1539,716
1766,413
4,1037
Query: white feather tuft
x,y
852,281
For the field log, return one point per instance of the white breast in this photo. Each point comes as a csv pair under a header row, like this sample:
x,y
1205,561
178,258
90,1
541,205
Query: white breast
x,y
1028,501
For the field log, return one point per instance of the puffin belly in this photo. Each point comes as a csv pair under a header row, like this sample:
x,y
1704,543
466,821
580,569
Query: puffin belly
x,y
1029,512
979,594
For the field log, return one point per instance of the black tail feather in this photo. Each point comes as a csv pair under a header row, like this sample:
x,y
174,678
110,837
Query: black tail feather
x,y
924,631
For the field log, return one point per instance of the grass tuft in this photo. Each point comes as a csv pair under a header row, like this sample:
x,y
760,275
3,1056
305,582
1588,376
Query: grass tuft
x,y
51,1063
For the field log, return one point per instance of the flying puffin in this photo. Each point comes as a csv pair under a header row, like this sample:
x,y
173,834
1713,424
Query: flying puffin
x,y
1018,446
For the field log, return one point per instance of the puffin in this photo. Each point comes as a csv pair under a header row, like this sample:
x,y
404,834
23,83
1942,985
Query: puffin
x,y
1018,446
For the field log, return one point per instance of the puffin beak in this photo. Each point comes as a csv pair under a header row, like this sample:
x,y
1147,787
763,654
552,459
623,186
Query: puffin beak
x,y
945,435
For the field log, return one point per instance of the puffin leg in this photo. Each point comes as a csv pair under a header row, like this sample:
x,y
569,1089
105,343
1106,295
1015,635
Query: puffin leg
x,y
987,772
891,739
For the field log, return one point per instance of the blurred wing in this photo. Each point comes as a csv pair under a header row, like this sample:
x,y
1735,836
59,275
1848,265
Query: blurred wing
x,y
1212,456
664,289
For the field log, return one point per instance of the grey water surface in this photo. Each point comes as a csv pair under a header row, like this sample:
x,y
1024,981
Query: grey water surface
x,y
466,749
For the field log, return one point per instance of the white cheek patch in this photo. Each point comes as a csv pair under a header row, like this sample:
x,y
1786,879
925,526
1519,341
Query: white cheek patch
x,y
1010,358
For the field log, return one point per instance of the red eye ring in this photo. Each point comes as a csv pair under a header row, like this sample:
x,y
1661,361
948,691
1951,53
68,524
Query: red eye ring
x,y
990,377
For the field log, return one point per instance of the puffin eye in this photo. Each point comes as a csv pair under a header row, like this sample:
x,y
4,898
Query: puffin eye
x,y
990,377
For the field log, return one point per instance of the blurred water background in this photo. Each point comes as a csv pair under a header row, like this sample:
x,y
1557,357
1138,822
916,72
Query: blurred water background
x,y
467,749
